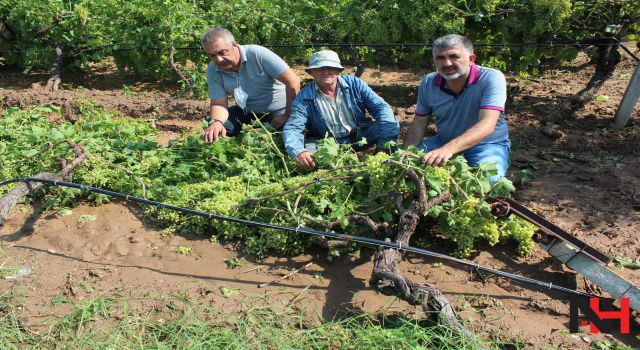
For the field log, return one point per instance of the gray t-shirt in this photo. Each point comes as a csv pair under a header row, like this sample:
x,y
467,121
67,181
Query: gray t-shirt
x,y
259,68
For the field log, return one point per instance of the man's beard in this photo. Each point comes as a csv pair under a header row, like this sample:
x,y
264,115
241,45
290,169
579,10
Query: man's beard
x,y
455,75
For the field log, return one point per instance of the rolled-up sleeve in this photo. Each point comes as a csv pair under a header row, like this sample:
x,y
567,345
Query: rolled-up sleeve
x,y
216,89
494,93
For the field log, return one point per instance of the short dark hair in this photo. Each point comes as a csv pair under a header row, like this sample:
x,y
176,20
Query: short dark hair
x,y
450,40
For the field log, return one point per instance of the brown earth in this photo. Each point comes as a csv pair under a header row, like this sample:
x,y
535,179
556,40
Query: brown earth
x,y
587,181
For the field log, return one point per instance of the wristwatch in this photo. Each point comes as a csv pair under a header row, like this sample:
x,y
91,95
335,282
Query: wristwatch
x,y
215,120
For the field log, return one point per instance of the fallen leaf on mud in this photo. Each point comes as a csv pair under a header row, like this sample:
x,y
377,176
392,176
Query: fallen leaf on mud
x,y
86,218
228,292
552,131
623,261
63,212
87,287
232,263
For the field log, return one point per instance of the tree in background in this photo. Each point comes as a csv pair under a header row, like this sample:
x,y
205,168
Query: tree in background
x,y
145,37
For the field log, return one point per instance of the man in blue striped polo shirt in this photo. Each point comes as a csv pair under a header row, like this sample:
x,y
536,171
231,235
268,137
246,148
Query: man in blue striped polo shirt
x,y
467,102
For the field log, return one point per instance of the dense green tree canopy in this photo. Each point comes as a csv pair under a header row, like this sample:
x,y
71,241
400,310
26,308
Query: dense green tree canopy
x,y
139,34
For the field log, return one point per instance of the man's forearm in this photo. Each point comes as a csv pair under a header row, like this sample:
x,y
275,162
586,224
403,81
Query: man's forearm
x,y
416,131
483,128
293,131
292,86
291,91
467,140
218,112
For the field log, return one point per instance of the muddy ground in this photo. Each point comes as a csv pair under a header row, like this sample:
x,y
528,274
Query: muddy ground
x,y
586,180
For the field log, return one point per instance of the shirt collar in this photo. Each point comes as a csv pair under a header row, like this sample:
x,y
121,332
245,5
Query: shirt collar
x,y
243,54
474,75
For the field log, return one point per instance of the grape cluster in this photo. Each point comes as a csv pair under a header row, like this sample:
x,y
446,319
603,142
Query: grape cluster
x,y
522,231
440,173
463,225
378,172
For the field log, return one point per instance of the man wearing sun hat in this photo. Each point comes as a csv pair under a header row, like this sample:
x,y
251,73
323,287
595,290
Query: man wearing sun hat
x,y
335,105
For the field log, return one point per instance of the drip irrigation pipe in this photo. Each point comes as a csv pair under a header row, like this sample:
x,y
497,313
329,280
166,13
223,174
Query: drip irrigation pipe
x,y
309,231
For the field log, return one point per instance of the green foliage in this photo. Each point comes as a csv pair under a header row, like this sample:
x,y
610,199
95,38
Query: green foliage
x,y
139,34
249,177
623,261
232,263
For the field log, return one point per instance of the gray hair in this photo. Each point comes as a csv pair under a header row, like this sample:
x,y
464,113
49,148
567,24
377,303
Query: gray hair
x,y
447,41
213,33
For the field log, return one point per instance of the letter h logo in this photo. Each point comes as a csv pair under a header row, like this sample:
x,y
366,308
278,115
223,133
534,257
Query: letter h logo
x,y
599,314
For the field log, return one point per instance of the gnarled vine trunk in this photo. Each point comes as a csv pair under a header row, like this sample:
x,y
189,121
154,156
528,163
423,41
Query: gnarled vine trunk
x,y
54,79
608,59
387,279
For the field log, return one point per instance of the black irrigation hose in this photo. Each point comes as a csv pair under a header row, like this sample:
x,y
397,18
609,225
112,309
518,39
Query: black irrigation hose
x,y
300,229
381,45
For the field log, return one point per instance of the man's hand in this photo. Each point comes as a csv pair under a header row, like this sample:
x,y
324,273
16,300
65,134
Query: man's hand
x,y
278,121
438,157
213,132
305,160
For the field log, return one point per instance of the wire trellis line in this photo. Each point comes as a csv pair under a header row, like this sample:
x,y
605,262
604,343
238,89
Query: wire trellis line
x,y
605,41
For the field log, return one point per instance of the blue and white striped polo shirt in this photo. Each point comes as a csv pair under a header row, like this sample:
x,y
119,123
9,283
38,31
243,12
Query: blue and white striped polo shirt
x,y
336,114
454,114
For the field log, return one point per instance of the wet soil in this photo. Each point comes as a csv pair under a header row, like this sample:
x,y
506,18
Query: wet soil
x,y
585,179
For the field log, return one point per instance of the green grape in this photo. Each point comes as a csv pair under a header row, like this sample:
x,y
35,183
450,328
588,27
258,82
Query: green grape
x,y
239,177
522,231
378,173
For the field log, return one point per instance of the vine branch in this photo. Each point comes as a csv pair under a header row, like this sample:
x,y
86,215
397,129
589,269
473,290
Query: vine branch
x,y
184,78
316,180
10,200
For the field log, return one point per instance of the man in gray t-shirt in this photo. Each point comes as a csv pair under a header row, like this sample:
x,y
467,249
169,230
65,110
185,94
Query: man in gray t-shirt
x,y
261,83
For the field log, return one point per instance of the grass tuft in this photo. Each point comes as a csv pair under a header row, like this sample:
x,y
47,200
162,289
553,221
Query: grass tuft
x,y
118,323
